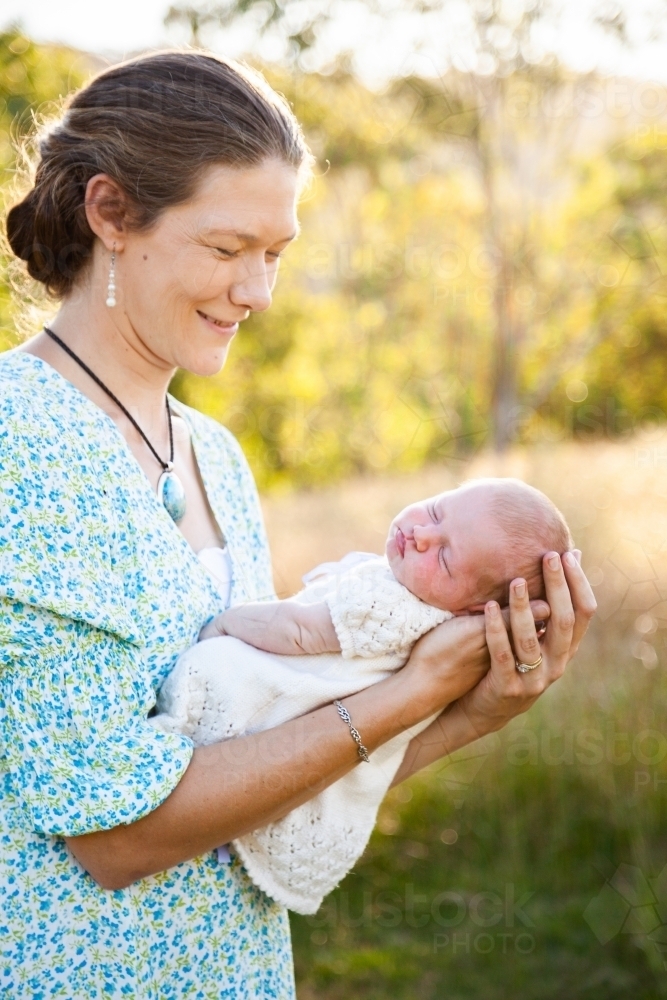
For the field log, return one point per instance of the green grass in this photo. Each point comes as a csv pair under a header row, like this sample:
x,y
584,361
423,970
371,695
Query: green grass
x,y
544,837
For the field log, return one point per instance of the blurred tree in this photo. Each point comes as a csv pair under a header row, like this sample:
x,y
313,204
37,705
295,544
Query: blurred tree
x,y
382,349
33,80
384,346
299,21
630,299
194,18
502,110
516,151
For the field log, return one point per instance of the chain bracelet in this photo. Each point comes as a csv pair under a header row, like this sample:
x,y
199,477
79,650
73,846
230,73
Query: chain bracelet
x,y
345,716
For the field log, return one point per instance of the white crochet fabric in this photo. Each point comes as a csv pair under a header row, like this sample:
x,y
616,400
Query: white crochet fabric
x,y
223,688
374,614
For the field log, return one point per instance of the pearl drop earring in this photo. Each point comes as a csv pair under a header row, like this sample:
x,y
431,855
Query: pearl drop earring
x,y
111,287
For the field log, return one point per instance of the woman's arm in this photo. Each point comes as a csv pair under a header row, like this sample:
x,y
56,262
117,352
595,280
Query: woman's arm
x,y
234,787
503,692
242,784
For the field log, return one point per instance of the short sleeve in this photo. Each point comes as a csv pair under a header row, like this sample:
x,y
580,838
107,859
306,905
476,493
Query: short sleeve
x,y
76,746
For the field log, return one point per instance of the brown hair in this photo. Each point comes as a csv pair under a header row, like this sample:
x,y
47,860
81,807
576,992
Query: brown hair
x,y
153,124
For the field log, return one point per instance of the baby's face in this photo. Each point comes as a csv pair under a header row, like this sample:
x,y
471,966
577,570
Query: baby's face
x,y
447,550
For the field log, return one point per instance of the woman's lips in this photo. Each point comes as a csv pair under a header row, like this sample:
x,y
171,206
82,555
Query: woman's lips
x,y
218,324
400,542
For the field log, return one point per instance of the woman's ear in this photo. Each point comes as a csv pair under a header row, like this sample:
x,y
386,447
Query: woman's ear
x,y
107,210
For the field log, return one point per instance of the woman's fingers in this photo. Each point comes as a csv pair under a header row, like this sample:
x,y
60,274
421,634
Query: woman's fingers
x,y
560,629
583,600
540,610
497,639
541,613
504,692
522,623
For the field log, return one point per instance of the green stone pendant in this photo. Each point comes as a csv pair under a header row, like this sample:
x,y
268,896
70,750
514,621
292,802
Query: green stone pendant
x,y
171,494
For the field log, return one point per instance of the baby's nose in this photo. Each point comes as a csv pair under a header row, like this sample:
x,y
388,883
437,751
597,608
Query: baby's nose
x,y
423,537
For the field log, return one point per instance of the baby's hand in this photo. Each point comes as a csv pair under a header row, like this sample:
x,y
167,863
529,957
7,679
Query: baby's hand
x,y
213,629
285,627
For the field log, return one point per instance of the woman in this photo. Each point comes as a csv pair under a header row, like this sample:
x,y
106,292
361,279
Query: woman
x,y
162,203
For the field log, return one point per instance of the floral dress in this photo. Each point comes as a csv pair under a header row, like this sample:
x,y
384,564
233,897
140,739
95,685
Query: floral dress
x,y
99,593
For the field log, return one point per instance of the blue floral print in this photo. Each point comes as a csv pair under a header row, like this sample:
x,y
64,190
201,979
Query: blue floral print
x,y
99,593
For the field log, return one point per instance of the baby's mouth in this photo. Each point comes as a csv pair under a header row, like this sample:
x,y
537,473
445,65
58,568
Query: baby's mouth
x,y
400,541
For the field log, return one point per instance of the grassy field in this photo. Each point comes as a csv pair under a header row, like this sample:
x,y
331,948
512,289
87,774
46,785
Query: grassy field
x,y
534,865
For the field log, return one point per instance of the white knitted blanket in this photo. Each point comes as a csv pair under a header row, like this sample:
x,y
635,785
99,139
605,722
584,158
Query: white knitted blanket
x,y
223,688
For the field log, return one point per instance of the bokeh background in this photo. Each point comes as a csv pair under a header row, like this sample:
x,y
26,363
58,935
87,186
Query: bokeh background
x,y
480,288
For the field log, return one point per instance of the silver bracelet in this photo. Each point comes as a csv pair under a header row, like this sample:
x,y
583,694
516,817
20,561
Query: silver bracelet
x,y
345,716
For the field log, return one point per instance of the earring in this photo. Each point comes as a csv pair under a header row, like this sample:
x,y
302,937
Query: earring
x,y
111,287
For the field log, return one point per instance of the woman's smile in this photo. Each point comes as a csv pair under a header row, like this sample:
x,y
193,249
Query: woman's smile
x,y
222,326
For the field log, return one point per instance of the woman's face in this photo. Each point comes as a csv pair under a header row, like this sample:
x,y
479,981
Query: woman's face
x,y
185,285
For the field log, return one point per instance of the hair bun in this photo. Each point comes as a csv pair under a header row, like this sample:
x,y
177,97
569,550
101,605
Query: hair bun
x,y
48,229
31,236
21,227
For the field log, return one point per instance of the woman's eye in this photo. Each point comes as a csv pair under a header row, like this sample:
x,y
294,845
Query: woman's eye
x,y
230,254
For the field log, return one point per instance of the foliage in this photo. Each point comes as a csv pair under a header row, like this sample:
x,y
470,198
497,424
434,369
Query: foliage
x,y
476,251
271,13
33,81
386,312
502,44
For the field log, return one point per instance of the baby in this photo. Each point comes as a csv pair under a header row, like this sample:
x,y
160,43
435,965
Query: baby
x,y
454,552
354,623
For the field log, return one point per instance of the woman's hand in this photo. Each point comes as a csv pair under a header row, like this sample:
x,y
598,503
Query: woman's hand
x,y
455,656
504,692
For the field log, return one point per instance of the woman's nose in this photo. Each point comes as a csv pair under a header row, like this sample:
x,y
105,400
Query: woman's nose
x,y
252,290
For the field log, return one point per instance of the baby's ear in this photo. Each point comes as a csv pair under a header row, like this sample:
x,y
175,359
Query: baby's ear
x,y
474,609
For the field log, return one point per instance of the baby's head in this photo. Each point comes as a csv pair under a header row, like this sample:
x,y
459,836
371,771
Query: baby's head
x,y
458,550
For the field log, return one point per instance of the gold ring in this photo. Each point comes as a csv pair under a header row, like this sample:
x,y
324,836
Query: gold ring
x,y
525,668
